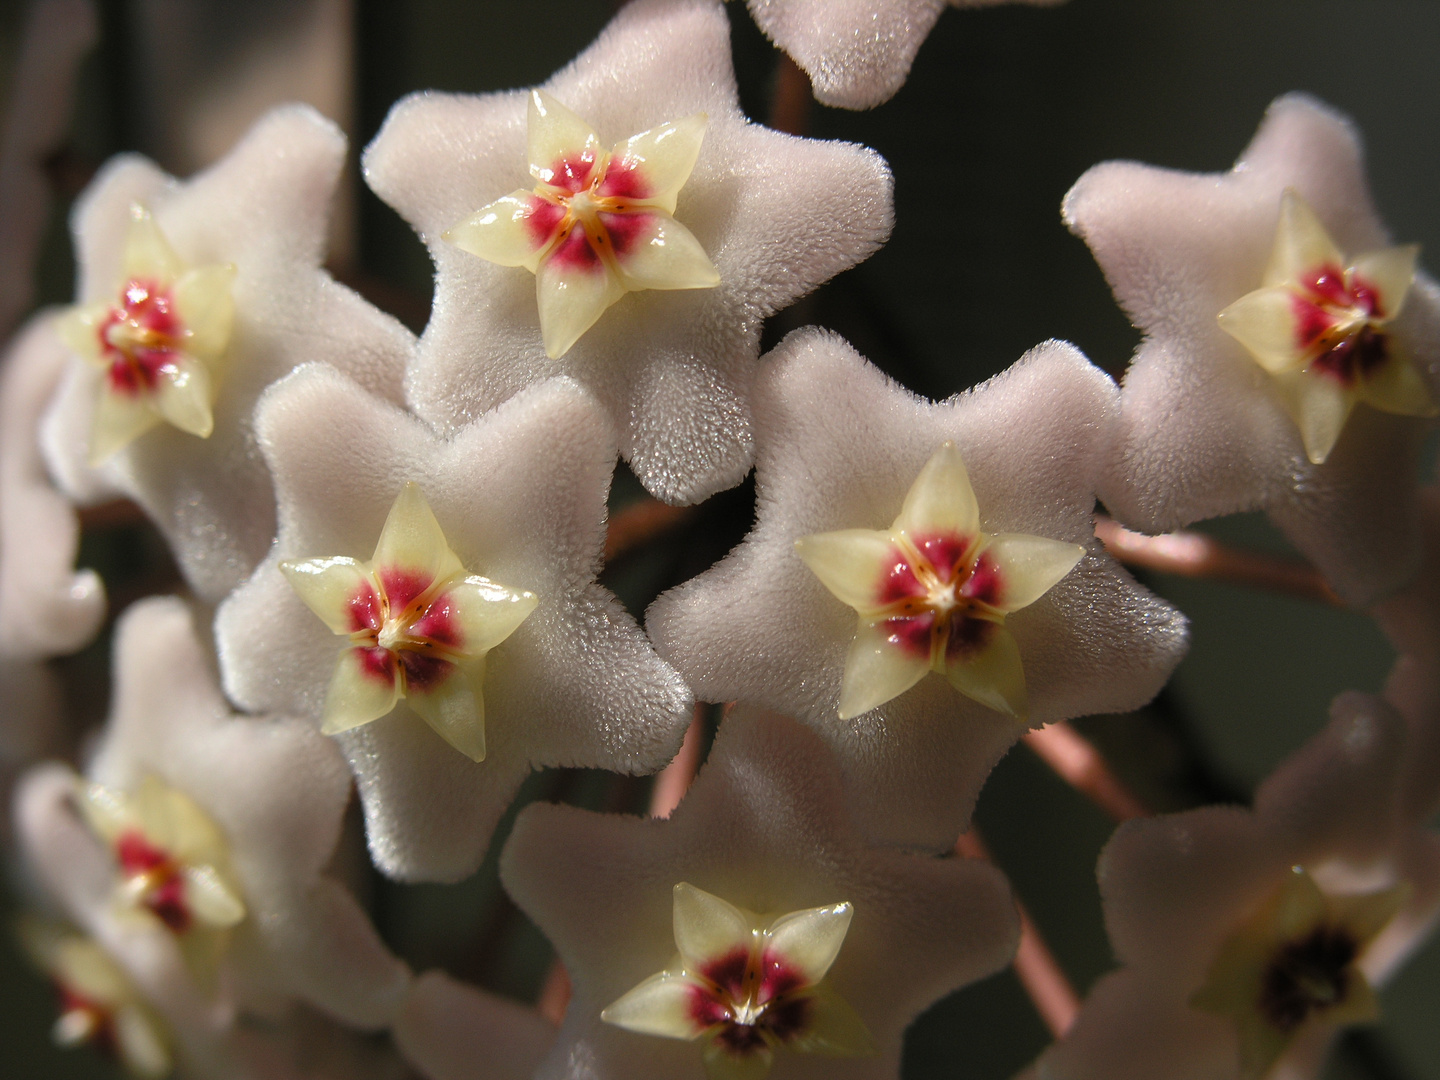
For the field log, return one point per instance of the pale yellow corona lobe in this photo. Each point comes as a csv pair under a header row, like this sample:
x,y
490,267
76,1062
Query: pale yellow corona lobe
x,y
418,627
747,986
597,224
158,344
1319,325
932,592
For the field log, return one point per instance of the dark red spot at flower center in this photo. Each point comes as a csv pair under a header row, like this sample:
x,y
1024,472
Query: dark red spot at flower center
x,y
587,219
1308,976
410,629
1354,357
939,601
139,338
1325,312
157,877
747,1001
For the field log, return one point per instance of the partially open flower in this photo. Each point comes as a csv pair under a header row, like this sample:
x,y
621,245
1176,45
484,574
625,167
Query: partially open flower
x,y
1272,302
977,559
614,199
418,624
799,944
597,224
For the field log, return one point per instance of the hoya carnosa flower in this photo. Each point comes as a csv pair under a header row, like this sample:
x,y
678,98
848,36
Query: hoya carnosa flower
x,y
747,985
1247,938
857,52
932,593
418,625
769,216
194,296
517,496
597,224
46,606
975,571
1272,301
208,836
799,944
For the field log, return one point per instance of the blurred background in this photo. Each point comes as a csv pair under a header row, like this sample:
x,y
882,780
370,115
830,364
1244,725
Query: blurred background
x,y
1005,108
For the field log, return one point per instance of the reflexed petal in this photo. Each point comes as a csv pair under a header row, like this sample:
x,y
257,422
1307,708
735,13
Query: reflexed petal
x,y
1319,406
1301,242
658,1006
79,328
810,940
721,1064
707,926
556,133
1397,388
852,563
356,694
655,164
339,590
148,255
835,1028
570,300
184,394
1029,566
662,254
120,419
487,612
877,669
1264,322
455,709
211,900
140,1045
413,541
940,497
993,675
508,231
205,305
1390,273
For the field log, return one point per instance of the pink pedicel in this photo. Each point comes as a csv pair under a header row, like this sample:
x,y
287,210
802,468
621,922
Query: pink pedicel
x,y
139,338
942,601
163,889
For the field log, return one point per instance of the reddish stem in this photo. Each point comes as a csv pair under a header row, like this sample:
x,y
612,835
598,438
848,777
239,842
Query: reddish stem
x,y
1076,761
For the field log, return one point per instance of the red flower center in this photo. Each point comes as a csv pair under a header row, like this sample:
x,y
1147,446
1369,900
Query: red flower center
x,y
586,212
408,629
156,879
940,600
139,338
1335,311
747,999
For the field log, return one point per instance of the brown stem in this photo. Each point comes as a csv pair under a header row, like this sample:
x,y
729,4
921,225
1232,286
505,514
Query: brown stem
x,y
674,780
640,522
1076,761
1192,554
790,108
1035,965
554,996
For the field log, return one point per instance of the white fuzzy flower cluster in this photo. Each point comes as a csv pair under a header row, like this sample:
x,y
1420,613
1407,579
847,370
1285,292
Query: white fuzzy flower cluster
x,y
391,548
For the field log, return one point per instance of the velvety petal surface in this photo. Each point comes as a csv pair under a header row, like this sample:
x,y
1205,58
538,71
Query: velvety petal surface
x,y
765,827
520,497
447,1028
776,215
840,446
1204,430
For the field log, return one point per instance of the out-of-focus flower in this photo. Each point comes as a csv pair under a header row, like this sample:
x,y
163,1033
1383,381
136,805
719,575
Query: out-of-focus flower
x,y
1215,422
857,52
445,1027
207,836
773,214
162,265
840,445
519,496
763,829
1247,937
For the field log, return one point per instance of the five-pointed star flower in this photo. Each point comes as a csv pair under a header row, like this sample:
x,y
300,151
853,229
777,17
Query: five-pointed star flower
x,y
46,606
155,293
597,224
764,829
418,624
775,215
519,495
1205,429
857,52
196,821
1247,937
840,445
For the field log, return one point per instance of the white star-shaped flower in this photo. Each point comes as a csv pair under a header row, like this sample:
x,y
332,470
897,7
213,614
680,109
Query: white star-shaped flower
x,y
46,606
857,52
1248,937
195,296
799,945
973,574
1271,301
772,214
518,497
210,834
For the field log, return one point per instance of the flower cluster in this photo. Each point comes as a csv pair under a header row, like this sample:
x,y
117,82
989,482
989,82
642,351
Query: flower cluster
x,y
392,548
